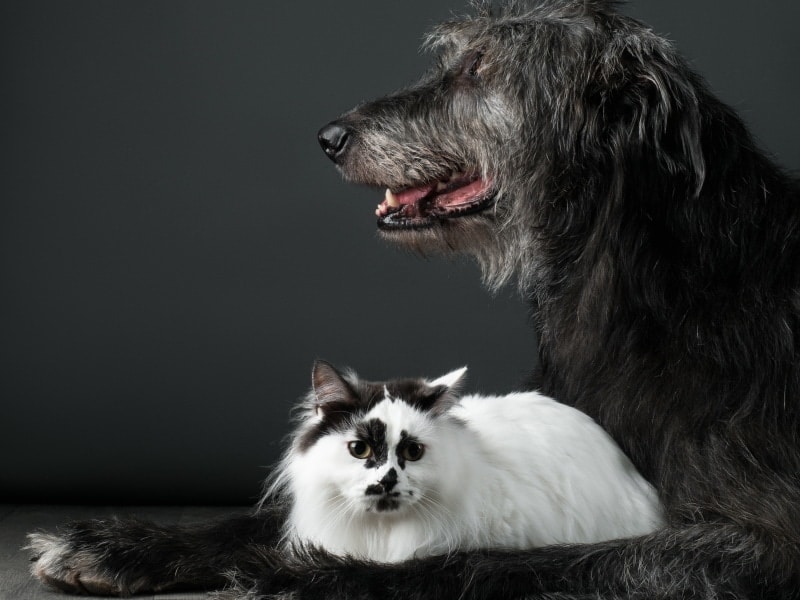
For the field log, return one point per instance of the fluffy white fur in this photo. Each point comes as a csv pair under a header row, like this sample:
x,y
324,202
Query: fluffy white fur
x,y
514,471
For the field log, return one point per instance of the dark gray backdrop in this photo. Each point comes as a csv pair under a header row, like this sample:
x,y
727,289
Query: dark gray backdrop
x,y
175,250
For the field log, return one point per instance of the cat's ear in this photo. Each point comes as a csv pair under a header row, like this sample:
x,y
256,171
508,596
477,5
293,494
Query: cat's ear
x,y
443,392
452,380
331,391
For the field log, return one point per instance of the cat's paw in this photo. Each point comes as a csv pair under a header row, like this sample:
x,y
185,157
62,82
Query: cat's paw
x,y
62,564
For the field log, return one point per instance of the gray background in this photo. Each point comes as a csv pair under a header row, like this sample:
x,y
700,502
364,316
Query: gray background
x,y
175,250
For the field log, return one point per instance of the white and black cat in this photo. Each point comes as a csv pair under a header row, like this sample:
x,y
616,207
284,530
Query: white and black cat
x,y
384,471
392,470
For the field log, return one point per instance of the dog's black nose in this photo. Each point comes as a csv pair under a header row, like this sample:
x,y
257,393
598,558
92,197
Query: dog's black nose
x,y
333,139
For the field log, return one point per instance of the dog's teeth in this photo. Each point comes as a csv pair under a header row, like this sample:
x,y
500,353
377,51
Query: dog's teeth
x,y
391,199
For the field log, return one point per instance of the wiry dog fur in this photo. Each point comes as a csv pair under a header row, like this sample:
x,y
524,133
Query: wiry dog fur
x,y
659,248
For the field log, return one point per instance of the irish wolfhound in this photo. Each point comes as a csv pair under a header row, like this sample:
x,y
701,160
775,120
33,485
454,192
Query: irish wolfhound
x,y
570,147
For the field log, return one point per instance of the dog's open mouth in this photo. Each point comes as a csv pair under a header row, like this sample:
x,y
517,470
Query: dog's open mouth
x,y
422,206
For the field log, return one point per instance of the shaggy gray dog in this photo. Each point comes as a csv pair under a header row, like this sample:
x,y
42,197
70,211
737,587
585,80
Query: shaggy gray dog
x,y
568,146
571,147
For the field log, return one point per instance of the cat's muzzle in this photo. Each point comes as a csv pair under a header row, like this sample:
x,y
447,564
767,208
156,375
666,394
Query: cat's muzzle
x,y
386,503
385,488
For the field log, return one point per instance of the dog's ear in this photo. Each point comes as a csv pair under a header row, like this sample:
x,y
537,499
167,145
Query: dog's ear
x,y
650,102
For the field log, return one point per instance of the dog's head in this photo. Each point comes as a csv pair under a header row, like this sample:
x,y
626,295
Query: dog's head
x,y
522,110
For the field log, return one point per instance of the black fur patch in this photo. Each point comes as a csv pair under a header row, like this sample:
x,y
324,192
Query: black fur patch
x,y
385,485
386,504
373,432
405,440
341,400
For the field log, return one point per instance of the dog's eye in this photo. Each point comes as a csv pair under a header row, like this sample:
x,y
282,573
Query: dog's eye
x,y
359,449
413,451
471,64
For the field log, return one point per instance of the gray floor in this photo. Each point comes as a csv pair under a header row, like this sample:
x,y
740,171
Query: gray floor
x,y
17,520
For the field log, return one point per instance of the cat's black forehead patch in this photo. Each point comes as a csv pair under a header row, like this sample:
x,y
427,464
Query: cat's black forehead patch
x,y
364,395
373,432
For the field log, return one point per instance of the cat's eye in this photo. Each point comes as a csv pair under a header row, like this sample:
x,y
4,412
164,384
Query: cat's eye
x,y
413,451
359,449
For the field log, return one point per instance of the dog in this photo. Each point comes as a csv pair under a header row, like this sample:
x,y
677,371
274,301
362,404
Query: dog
x,y
570,148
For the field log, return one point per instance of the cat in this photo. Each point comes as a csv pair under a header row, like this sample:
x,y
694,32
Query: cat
x,y
387,471
381,471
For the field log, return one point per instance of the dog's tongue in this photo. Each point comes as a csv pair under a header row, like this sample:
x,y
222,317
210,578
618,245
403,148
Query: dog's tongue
x,y
465,193
407,197
444,198
411,195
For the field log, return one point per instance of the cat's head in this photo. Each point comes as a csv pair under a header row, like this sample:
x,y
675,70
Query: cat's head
x,y
374,447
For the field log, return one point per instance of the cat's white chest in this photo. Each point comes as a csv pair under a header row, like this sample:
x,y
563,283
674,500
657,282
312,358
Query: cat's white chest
x,y
367,537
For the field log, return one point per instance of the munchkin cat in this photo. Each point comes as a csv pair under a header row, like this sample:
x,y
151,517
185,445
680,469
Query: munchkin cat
x,y
405,468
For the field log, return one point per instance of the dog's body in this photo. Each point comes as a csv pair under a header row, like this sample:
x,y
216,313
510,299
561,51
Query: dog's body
x,y
660,250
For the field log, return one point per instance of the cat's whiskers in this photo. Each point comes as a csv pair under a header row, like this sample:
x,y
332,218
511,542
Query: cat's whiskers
x,y
440,519
429,503
340,511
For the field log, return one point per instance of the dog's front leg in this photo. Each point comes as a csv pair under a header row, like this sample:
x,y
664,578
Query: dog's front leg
x,y
699,562
124,556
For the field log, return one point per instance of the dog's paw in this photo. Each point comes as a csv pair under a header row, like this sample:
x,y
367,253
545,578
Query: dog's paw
x,y
241,593
244,587
60,564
